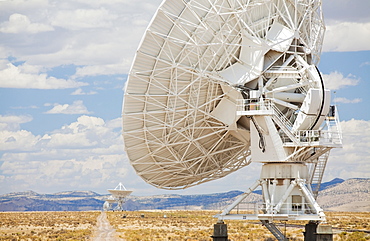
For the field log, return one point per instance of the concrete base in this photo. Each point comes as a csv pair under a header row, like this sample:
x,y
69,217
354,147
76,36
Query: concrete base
x,y
324,233
220,232
316,232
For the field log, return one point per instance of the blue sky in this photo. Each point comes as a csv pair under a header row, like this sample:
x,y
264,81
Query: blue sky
x,y
63,65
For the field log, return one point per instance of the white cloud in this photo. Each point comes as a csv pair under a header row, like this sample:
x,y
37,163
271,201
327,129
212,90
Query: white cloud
x,y
79,91
346,10
78,19
71,140
23,6
84,155
115,123
11,135
96,173
15,140
24,107
77,107
27,76
336,80
353,160
101,35
95,70
87,131
365,64
19,23
12,122
88,155
348,25
347,36
347,101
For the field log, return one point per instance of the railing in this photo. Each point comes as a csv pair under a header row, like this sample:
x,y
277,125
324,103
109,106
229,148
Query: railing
x,y
258,208
323,137
252,105
329,136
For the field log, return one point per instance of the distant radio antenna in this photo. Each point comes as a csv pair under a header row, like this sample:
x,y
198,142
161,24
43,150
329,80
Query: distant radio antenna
x,y
119,194
108,204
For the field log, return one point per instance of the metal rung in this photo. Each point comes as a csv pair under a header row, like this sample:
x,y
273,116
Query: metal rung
x,y
274,230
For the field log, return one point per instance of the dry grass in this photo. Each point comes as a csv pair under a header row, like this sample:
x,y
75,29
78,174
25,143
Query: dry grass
x,y
162,225
47,225
198,225
349,220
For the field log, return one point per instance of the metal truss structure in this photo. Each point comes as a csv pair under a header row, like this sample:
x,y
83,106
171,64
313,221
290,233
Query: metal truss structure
x,y
217,84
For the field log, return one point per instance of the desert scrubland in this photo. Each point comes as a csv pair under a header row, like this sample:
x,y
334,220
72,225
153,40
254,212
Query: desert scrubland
x,y
47,225
163,225
198,225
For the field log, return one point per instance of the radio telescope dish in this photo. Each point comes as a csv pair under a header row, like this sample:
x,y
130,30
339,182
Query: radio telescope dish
x,y
195,61
217,84
119,194
110,200
109,203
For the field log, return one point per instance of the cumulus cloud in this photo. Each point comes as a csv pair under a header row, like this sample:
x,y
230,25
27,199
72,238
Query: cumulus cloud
x,y
346,11
77,19
336,80
91,173
353,160
79,91
12,122
95,70
88,155
85,154
101,35
365,64
15,140
347,101
87,131
12,137
19,23
347,36
347,24
77,107
25,107
26,76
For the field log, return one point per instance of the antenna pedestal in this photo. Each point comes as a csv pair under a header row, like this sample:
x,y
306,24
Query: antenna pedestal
x,y
285,196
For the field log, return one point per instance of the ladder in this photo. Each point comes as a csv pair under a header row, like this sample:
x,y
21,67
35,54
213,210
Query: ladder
x,y
317,173
274,230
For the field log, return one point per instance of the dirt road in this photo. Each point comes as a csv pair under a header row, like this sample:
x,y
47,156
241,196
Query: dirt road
x,y
104,231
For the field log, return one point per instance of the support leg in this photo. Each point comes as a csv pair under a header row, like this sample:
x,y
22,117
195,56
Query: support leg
x,y
220,231
310,231
318,232
324,233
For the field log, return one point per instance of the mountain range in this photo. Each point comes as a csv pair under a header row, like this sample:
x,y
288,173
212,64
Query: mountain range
x,y
336,195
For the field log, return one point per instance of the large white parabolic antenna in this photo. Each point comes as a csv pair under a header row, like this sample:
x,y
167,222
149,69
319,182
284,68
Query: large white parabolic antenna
x,y
218,84
119,194
196,59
